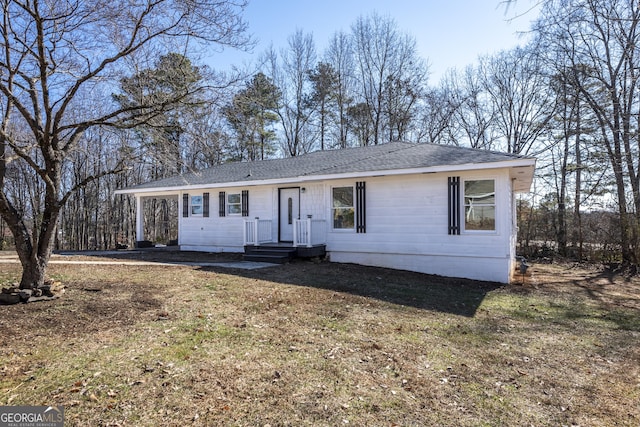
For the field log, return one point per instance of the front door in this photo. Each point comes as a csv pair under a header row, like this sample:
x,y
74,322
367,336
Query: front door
x,y
289,211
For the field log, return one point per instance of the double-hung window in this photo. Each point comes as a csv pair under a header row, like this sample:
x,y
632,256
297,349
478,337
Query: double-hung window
x,y
234,204
343,208
479,205
196,205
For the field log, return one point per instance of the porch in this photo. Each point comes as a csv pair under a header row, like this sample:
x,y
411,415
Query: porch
x,y
308,240
156,223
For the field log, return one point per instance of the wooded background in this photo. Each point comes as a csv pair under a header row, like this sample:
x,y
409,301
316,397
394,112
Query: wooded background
x,y
569,97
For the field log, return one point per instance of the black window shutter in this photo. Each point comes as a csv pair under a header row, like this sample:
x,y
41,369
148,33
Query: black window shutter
x,y
185,205
454,205
245,202
205,204
361,207
222,198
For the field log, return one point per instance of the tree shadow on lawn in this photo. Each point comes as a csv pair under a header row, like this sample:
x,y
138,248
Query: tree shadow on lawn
x,y
428,292
616,296
611,288
574,294
423,291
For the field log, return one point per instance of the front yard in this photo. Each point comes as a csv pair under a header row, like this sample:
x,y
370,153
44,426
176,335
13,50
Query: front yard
x,y
325,344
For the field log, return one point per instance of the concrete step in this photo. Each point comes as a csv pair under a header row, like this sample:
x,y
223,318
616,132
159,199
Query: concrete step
x,y
275,259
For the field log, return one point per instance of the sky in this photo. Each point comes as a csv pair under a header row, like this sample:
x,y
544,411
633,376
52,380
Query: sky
x,y
448,33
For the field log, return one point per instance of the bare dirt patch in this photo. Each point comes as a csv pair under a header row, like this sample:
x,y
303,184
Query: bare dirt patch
x,y
324,344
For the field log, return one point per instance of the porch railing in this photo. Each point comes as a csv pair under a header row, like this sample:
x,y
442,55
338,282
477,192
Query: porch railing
x,y
309,232
257,231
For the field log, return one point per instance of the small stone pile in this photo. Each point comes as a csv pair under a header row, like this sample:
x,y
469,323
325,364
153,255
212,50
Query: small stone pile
x,y
50,290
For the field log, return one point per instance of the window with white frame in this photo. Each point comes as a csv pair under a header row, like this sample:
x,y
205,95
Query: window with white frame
x,y
479,205
234,204
196,205
342,208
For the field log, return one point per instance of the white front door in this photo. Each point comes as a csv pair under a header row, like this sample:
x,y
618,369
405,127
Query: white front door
x,y
289,212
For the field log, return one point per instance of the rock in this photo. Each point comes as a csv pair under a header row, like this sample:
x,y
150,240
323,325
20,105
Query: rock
x,y
25,294
57,287
50,288
13,298
49,291
42,298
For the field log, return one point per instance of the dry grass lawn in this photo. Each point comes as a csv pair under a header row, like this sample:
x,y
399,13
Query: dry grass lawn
x,y
325,345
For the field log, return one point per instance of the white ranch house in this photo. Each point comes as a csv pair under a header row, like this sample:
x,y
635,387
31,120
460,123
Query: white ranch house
x,y
428,208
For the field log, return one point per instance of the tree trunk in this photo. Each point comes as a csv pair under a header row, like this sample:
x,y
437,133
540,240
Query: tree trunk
x,y
34,257
561,230
628,255
34,248
33,272
577,217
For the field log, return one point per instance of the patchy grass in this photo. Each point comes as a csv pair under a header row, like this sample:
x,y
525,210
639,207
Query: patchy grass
x,y
325,344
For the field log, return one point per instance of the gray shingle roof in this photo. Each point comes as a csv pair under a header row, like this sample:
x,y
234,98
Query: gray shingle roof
x,y
384,157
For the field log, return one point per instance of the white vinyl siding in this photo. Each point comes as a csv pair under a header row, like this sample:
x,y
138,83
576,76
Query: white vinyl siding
x,y
407,228
407,224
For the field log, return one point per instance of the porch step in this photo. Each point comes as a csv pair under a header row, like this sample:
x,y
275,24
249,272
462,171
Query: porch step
x,y
274,254
281,254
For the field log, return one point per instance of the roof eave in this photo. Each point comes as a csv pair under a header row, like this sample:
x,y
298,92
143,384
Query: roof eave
x,y
522,164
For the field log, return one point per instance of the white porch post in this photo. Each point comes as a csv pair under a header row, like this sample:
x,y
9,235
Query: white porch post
x,y
139,219
295,232
308,225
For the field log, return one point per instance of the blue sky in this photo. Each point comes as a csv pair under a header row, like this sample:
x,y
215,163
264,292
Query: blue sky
x,y
449,33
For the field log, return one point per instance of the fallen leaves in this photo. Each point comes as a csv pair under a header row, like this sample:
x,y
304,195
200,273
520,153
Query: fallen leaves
x,y
274,351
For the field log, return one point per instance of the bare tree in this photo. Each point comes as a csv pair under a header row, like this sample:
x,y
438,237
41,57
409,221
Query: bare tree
x,y
439,105
360,124
208,140
517,86
290,73
339,55
399,107
385,57
52,54
474,115
324,81
599,39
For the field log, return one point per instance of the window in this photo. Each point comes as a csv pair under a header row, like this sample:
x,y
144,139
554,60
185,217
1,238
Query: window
x,y
479,205
196,205
343,208
234,204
